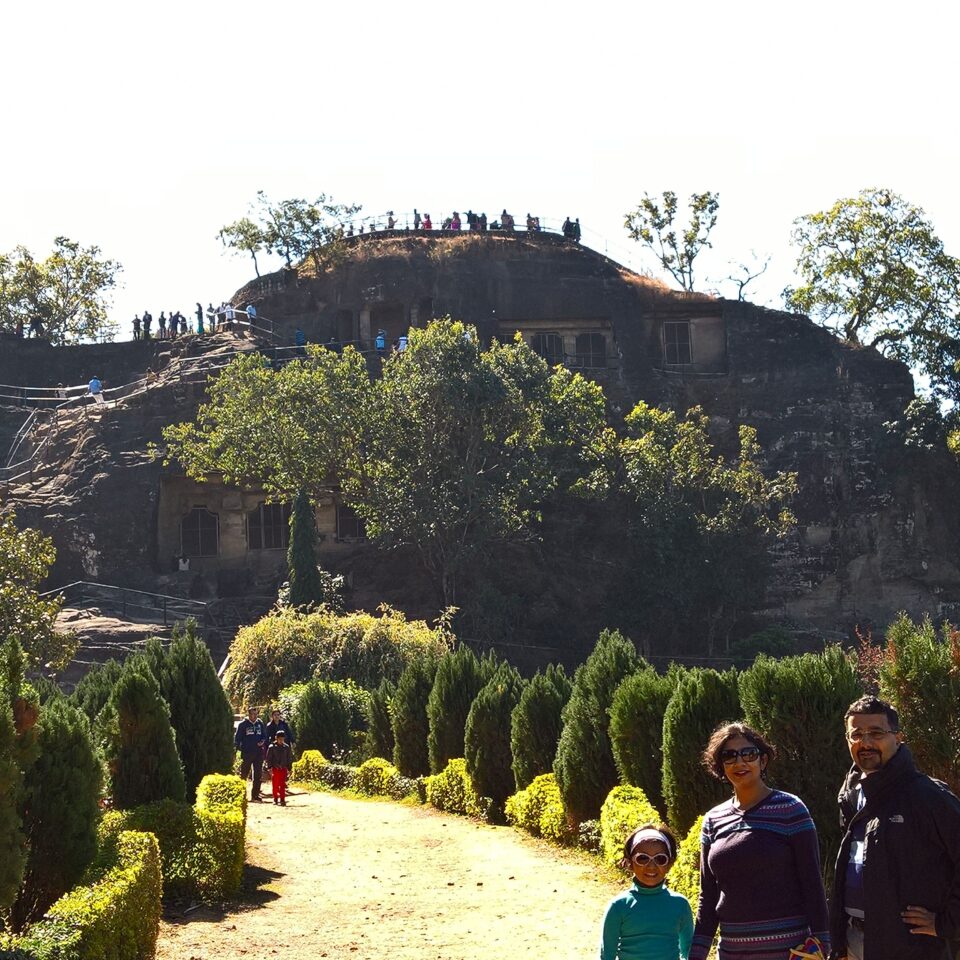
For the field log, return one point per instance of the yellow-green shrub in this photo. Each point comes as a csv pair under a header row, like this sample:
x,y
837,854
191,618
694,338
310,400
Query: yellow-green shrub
x,y
525,807
375,776
117,916
308,766
625,809
452,790
685,875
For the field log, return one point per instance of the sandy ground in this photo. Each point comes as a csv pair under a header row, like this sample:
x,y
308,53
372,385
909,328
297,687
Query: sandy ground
x,y
329,876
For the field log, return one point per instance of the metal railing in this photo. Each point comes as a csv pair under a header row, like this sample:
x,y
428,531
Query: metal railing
x,y
127,602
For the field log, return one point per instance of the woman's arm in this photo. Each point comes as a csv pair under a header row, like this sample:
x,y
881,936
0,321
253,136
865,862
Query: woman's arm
x,y
806,856
707,922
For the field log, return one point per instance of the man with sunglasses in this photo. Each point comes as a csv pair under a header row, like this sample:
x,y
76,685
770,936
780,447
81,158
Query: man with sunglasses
x,y
897,888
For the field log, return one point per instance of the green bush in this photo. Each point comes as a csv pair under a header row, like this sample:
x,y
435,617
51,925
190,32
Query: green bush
x,y
636,728
378,741
584,764
408,716
338,776
486,740
536,806
116,917
799,702
61,810
306,587
288,646
460,676
12,847
685,874
588,836
140,748
703,700
93,690
452,791
308,767
625,809
375,775
322,719
535,724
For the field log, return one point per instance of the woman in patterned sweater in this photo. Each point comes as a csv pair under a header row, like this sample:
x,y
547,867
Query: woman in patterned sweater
x,y
760,876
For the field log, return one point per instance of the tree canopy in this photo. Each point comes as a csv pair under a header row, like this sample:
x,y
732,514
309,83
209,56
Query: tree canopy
x,y
68,291
652,224
873,269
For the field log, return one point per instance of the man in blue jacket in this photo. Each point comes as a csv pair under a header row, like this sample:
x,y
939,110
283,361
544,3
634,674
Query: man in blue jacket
x,y
251,740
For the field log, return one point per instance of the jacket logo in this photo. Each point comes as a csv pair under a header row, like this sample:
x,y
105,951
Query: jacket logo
x,y
896,818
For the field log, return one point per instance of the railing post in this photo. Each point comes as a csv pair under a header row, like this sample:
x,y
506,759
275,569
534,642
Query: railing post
x,y
165,611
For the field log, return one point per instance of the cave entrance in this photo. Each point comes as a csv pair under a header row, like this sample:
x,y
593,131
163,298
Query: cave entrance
x,y
347,332
391,318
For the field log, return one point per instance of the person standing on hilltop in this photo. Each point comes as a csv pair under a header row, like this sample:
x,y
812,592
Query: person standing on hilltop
x,y
162,324
136,327
199,312
147,323
427,223
416,219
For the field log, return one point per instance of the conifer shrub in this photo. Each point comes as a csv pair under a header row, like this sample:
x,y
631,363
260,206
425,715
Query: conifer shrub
x,y
625,809
12,845
308,767
140,748
798,703
379,735
636,728
487,735
94,688
306,586
452,790
460,677
702,701
408,716
61,810
535,724
322,719
685,873
584,765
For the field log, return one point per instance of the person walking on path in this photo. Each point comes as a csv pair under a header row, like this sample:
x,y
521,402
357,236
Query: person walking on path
x,y
278,724
95,389
896,893
251,739
279,762
760,878
648,921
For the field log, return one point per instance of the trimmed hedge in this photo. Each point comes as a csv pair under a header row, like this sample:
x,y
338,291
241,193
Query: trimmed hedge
x,y
115,918
625,809
374,776
539,810
452,790
309,766
338,776
685,874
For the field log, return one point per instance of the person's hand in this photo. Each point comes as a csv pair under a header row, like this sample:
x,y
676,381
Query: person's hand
x,y
921,920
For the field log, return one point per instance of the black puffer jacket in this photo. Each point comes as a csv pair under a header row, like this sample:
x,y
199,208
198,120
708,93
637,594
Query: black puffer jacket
x,y
911,857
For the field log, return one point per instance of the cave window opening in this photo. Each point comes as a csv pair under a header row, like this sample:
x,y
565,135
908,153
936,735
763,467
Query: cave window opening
x,y
349,525
549,346
676,343
268,526
591,350
200,533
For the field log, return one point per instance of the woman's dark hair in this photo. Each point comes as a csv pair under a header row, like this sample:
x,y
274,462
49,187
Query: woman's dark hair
x,y
672,845
725,732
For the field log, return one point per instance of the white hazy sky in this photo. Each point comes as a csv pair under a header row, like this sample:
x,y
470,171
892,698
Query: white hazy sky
x,y
144,128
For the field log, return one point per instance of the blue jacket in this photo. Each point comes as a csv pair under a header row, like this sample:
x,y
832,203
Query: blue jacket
x,y
250,738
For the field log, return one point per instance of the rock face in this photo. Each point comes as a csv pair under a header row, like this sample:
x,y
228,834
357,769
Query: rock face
x,y
878,522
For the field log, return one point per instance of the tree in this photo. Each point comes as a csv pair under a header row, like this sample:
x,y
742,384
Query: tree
x,y
459,678
140,747
200,713
244,236
379,740
322,719
652,225
873,270
408,716
68,292
702,701
62,794
486,741
306,587
636,728
535,724
25,560
584,765
743,274
93,690
12,845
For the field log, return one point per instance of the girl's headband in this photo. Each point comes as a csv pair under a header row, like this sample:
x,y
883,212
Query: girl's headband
x,y
651,833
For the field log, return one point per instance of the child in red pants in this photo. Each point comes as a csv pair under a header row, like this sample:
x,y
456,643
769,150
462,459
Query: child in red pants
x,y
280,760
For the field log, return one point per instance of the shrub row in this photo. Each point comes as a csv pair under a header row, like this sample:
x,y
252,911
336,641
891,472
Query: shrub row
x,y
452,790
538,809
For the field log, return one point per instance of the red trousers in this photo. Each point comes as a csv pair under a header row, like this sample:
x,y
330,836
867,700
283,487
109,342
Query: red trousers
x,y
280,783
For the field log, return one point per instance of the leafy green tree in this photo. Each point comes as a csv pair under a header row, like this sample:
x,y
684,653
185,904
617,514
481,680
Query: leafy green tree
x,y
68,292
306,587
12,842
535,724
652,224
244,236
799,702
379,740
702,701
636,728
94,688
920,676
408,716
486,741
25,560
322,719
140,747
584,765
697,527
200,713
62,793
873,270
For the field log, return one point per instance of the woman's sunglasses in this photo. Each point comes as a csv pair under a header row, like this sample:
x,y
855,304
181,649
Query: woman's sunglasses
x,y
642,859
747,753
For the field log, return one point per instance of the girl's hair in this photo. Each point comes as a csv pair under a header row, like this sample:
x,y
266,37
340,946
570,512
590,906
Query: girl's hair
x,y
668,835
725,732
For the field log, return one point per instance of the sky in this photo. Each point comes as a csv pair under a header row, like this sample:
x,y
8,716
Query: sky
x,y
143,129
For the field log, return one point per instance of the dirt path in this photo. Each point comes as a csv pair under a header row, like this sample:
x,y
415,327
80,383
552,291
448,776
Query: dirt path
x,y
334,877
